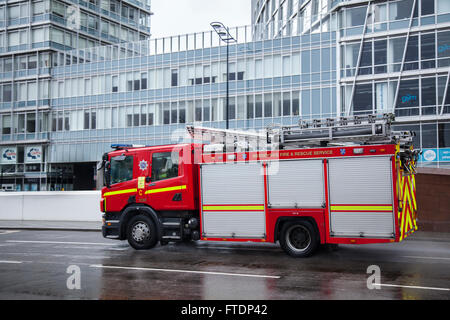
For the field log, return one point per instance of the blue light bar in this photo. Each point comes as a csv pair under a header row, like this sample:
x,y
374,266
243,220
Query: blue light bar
x,y
125,146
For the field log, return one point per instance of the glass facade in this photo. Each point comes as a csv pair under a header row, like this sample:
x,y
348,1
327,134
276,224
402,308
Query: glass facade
x,y
318,59
34,34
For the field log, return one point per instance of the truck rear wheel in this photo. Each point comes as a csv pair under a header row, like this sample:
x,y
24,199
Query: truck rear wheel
x,y
299,239
141,233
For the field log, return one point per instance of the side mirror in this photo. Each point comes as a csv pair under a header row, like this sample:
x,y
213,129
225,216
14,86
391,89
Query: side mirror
x,y
107,175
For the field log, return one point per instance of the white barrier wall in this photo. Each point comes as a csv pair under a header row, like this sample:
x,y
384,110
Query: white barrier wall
x,y
51,206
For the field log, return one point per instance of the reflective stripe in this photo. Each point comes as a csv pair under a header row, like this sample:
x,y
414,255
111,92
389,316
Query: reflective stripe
x,y
115,193
233,208
361,208
178,188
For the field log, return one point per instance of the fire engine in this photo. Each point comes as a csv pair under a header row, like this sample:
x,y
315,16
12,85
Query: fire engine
x,y
324,182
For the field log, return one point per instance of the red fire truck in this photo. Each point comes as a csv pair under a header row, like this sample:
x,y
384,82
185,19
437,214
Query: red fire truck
x,y
346,181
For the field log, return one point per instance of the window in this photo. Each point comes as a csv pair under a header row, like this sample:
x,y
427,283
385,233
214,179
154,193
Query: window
x,y
443,39
286,104
7,93
427,7
362,101
401,9
115,84
444,135
14,12
443,6
144,81
121,169
6,124
164,166
366,59
250,107
174,78
412,54
38,8
428,50
429,92
429,136
408,98
13,38
258,106
380,56
356,16
396,49
268,105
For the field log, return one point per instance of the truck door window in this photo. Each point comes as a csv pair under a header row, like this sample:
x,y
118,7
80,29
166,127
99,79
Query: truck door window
x,y
121,169
164,166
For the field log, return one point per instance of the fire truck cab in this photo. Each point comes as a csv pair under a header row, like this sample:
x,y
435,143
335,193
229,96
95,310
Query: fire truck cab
x,y
310,190
156,183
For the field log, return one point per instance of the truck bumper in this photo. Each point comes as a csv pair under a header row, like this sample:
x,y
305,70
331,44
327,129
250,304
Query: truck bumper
x,y
111,228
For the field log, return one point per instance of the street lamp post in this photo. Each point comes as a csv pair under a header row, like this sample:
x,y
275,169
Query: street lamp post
x,y
225,36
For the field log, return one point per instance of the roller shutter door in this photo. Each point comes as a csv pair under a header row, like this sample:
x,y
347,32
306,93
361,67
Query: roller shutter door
x,y
296,184
361,197
233,200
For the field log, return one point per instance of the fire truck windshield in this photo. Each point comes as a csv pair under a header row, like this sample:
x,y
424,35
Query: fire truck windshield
x,y
121,169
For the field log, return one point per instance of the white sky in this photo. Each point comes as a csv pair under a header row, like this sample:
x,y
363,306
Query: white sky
x,y
175,17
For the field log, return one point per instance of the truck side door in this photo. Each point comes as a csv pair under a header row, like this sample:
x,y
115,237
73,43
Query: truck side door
x,y
123,185
167,188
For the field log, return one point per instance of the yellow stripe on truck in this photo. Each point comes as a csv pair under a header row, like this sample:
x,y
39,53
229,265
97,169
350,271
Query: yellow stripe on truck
x,y
362,208
233,208
115,193
178,188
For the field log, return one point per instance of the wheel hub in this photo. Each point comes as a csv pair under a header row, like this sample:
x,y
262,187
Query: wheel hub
x,y
140,232
298,238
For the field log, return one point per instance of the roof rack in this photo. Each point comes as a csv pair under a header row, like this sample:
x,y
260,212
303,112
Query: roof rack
x,y
357,130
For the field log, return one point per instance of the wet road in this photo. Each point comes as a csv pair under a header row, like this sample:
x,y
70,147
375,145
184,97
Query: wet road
x,y
33,265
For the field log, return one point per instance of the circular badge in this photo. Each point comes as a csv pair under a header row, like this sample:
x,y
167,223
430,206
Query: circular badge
x,y
429,155
143,165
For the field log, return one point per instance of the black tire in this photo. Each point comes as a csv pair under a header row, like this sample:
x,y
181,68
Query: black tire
x,y
299,239
141,233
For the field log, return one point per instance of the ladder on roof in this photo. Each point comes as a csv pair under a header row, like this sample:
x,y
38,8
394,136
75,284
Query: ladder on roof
x,y
356,130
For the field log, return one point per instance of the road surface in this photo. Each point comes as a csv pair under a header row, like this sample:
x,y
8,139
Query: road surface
x,y
34,265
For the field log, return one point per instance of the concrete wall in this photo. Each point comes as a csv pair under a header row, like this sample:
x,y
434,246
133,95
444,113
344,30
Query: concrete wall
x,y
51,206
433,199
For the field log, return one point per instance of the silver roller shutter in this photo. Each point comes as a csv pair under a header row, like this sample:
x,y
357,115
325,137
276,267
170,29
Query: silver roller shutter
x,y
369,224
365,180
235,185
361,181
234,224
296,184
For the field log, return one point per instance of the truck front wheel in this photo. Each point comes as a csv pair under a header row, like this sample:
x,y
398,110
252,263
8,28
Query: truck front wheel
x,y
141,233
299,239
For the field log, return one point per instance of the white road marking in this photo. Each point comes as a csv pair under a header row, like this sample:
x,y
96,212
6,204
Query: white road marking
x,y
431,258
413,287
11,262
58,242
8,231
186,271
